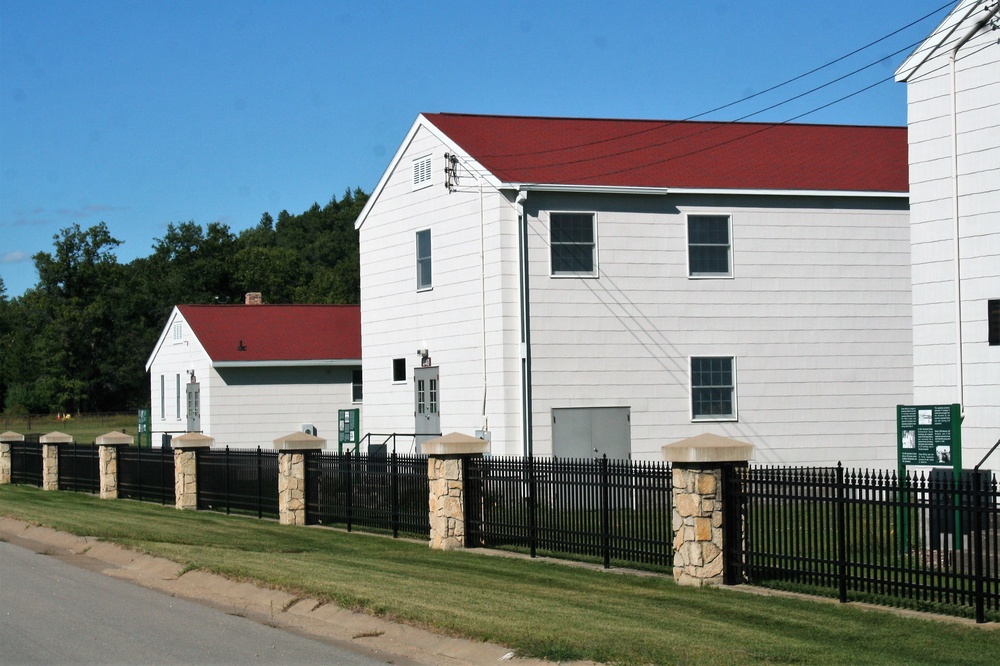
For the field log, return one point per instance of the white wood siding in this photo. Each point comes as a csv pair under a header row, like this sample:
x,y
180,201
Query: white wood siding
x,y
978,118
174,358
817,315
447,320
254,406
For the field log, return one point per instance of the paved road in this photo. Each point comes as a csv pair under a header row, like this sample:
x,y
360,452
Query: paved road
x,y
55,613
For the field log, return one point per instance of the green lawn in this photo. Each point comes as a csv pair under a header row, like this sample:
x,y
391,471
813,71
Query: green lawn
x,y
84,428
539,608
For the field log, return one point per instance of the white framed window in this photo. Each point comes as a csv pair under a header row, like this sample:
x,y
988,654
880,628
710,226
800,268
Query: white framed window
x,y
573,244
178,397
422,175
178,332
710,249
424,276
713,388
163,398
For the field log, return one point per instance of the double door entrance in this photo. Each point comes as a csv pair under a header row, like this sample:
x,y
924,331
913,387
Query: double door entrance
x,y
426,405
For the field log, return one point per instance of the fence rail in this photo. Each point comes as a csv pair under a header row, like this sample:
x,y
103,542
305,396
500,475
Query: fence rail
x,y
615,510
146,475
927,541
375,492
238,480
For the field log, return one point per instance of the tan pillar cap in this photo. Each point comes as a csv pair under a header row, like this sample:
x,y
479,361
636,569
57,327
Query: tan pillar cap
x,y
56,438
299,441
11,436
707,448
114,438
192,440
454,443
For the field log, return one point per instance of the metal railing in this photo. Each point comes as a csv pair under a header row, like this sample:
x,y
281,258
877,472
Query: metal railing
x,y
79,468
145,474
614,510
386,493
383,444
26,462
918,540
238,480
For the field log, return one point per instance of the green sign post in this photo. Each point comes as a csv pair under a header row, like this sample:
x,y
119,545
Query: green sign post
x,y
143,430
348,429
929,435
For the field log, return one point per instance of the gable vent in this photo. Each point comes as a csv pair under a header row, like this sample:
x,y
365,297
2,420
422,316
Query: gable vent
x,y
421,172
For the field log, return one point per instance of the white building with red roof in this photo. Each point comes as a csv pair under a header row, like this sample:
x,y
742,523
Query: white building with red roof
x,y
953,112
248,374
576,287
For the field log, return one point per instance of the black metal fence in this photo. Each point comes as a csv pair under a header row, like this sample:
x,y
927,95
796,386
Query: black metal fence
x,y
26,462
146,475
79,468
615,510
924,541
241,481
386,493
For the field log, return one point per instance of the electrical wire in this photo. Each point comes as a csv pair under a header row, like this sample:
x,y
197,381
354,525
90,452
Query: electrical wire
x,y
716,126
748,97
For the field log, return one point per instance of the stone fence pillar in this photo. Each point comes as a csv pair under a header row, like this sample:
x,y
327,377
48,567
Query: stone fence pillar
x,y
699,550
447,486
292,450
50,458
6,456
186,468
107,461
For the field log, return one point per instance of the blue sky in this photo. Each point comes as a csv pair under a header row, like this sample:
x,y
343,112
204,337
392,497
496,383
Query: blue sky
x,y
144,113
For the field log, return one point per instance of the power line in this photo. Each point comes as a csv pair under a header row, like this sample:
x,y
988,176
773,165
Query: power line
x,y
744,99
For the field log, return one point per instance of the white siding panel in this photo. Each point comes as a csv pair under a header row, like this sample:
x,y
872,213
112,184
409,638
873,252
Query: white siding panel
x,y
818,317
935,373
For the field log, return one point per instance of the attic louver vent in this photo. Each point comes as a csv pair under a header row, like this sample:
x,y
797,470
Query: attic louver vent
x,y
421,172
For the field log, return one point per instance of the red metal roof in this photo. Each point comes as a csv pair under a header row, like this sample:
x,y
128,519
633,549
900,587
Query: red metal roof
x,y
682,154
276,332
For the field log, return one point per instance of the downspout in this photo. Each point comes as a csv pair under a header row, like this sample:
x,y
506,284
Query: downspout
x,y
482,296
959,359
522,238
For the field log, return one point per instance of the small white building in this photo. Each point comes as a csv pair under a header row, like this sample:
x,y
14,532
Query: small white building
x,y
248,374
573,286
953,92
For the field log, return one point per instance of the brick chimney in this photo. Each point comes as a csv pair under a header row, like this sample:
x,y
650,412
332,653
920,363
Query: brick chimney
x,y
254,298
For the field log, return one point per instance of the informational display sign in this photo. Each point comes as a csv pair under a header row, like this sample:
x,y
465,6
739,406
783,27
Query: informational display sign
x,y
348,429
145,435
929,435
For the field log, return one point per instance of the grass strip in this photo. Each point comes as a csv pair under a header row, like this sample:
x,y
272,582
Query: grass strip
x,y
538,608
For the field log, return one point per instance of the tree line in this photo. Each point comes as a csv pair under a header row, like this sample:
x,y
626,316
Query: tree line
x,y
78,341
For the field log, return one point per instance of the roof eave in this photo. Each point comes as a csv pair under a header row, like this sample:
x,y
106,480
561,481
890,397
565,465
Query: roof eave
x,y
938,38
336,362
660,191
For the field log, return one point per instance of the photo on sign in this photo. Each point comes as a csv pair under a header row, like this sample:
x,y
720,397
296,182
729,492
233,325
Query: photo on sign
x,y
925,417
943,454
909,439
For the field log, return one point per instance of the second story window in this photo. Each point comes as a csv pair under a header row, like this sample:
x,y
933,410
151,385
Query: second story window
x,y
709,246
573,243
424,277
